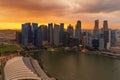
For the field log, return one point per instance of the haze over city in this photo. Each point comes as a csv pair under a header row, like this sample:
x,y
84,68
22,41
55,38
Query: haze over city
x,y
15,12
59,40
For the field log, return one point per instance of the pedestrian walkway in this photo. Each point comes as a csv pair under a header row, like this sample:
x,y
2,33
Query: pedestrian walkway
x,y
39,70
20,68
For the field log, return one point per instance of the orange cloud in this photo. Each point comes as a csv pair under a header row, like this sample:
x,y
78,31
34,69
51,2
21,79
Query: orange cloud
x,y
15,12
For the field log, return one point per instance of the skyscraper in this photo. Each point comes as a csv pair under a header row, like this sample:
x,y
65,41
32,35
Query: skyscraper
x,y
61,30
109,40
101,44
105,33
118,38
70,30
50,33
96,30
78,31
88,36
113,38
26,34
95,43
39,37
105,25
101,40
44,32
66,38
56,35
34,30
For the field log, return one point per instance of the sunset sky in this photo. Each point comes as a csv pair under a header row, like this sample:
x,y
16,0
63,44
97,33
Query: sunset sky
x,y
15,12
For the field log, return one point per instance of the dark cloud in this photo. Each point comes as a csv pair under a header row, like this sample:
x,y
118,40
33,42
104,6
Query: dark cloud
x,y
58,7
32,4
103,6
40,6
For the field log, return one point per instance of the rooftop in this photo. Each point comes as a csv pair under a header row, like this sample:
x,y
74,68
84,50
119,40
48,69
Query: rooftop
x,y
20,68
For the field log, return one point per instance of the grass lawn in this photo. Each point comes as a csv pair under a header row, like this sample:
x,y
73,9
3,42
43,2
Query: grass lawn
x,y
4,48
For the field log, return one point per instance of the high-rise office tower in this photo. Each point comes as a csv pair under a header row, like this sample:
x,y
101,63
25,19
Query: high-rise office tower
x,y
44,32
34,30
39,37
113,38
26,34
25,42
30,33
61,30
56,35
66,38
101,40
84,39
118,38
50,33
96,30
109,38
88,36
89,39
105,33
70,30
101,44
78,31
105,25
95,43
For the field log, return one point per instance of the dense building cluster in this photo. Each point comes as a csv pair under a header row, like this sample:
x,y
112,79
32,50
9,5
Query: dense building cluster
x,y
53,34
105,38
56,35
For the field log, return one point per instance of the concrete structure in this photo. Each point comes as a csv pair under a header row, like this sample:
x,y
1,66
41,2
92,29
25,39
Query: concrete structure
x,y
95,43
109,41
101,44
56,35
50,33
88,36
89,39
44,32
34,31
113,38
72,42
96,30
78,31
39,38
66,38
105,33
20,68
105,25
70,30
84,41
101,40
27,36
61,33
118,38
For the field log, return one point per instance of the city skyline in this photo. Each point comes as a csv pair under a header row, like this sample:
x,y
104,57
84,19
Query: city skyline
x,y
14,13
56,35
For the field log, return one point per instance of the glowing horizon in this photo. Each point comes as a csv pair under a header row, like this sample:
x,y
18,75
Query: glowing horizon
x,y
12,26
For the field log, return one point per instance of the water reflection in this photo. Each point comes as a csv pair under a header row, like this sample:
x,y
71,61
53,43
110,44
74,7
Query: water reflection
x,y
80,66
